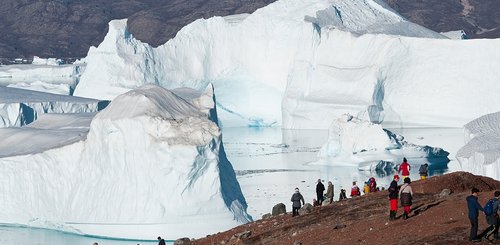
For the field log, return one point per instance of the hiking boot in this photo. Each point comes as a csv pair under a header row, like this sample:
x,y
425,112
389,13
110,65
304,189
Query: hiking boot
x,y
405,216
392,215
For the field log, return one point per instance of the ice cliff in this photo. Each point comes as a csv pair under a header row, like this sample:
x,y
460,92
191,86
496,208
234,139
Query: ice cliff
x,y
481,153
250,59
19,107
152,163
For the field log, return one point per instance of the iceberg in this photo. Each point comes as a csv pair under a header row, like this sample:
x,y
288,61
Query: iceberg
x,y
249,59
19,107
481,153
151,163
354,141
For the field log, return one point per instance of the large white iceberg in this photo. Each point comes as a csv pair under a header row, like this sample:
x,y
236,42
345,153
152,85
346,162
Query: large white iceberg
x,y
481,153
354,141
152,163
19,107
249,58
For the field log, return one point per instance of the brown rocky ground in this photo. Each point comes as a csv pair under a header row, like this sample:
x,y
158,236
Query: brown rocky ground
x,y
434,219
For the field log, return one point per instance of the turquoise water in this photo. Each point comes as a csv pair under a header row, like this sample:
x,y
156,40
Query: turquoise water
x,y
269,163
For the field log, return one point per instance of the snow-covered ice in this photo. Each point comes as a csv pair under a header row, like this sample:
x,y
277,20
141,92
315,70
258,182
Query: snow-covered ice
x,y
19,107
152,163
354,141
44,75
481,154
247,58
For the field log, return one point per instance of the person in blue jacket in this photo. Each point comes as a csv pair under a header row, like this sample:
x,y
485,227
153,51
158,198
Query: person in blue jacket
x,y
474,207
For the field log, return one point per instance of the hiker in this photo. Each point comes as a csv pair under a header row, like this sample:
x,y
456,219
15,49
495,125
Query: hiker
x,y
406,196
342,195
404,168
161,241
355,190
474,207
491,211
329,192
296,199
366,188
320,188
423,171
393,197
373,185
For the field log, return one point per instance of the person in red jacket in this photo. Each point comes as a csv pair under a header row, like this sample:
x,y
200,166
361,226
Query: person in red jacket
x,y
404,168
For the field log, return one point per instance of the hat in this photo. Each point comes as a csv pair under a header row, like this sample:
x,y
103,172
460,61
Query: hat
x,y
396,176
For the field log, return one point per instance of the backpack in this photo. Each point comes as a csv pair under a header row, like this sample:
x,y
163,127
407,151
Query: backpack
x,y
488,208
422,169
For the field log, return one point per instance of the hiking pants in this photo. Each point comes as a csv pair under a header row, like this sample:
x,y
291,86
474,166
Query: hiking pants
x,y
423,177
394,204
407,209
473,229
295,211
320,197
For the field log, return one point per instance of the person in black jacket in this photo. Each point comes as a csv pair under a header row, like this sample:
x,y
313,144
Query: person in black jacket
x,y
474,207
393,197
320,188
296,199
161,241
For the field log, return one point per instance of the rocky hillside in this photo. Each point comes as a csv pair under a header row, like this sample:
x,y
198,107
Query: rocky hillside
x,y
437,217
478,18
67,28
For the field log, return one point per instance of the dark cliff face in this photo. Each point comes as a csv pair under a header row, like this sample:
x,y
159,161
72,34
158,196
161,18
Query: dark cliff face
x,y
478,18
67,28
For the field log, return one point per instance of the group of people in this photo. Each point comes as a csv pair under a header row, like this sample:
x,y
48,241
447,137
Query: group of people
x,y
404,193
491,210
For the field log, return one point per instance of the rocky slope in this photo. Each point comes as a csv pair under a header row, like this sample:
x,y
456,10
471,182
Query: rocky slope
x,y
478,18
67,28
435,219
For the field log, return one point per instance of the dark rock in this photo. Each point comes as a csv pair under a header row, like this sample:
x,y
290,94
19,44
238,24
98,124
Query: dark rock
x,y
279,209
307,208
339,226
182,241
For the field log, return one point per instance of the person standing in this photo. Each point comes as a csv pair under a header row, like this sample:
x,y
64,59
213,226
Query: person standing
x,y
423,171
330,191
404,168
296,199
491,211
161,241
474,207
406,196
355,190
393,197
320,188
342,195
373,185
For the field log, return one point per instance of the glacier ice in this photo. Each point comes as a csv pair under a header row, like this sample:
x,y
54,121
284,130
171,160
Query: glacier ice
x,y
481,153
19,107
249,59
354,141
152,163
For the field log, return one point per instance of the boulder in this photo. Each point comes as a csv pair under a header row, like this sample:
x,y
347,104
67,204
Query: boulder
x,y
445,193
307,208
182,241
279,209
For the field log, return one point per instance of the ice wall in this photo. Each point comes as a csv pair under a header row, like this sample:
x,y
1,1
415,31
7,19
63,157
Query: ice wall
x,y
481,153
248,58
19,107
400,81
153,163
